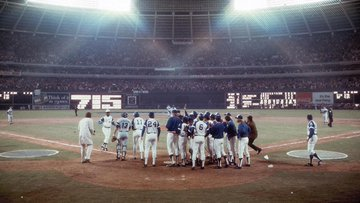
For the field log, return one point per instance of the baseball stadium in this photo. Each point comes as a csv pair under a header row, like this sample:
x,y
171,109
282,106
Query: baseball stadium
x,y
179,101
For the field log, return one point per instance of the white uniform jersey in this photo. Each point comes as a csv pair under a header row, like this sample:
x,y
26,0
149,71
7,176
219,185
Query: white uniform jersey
x,y
182,129
200,128
151,126
9,112
106,121
169,110
324,110
138,123
86,128
123,124
312,125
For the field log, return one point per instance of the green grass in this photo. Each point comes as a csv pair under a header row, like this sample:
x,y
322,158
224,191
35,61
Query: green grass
x,y
10,144
272,127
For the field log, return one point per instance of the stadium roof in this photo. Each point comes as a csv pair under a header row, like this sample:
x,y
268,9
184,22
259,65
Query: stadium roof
x,y
182,20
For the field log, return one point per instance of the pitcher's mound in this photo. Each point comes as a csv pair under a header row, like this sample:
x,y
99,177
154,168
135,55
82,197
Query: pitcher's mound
x,y
28,153
325,155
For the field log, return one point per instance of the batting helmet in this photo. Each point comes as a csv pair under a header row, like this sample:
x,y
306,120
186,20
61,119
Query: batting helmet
x,y
124,115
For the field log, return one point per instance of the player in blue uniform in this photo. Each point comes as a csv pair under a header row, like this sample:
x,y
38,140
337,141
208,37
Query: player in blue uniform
x,y
231,138
190,130
312,139
243,138
217,131
172,137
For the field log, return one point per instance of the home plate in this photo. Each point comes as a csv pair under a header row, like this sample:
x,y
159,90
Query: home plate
x,y
323,154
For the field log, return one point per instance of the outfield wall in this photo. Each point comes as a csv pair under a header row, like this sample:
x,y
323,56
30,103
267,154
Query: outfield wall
x,y
159,100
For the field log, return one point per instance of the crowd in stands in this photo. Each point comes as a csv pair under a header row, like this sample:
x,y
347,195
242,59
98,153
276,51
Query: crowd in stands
x,y
204,85
18,69
304,49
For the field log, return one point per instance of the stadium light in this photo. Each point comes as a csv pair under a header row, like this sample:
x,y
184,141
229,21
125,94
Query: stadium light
x,y
110,5
248,5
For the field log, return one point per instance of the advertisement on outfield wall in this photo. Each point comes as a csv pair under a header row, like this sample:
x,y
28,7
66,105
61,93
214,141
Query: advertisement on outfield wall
x,y
323,98
51,100
304,97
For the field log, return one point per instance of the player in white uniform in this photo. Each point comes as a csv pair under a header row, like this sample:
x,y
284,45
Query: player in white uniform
x,y
325,115
152,131
137,126
199,142
183,140
311,140
209,138
107,121
170,110
86,129
121,133
10,115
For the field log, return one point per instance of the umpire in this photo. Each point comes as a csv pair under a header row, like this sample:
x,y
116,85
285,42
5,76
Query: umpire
x,y
253,134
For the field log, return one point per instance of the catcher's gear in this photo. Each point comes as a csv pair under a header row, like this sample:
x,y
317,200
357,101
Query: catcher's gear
x,y
113,139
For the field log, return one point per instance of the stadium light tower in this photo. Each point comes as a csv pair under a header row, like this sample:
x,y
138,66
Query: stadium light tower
x,y
124,6
249,5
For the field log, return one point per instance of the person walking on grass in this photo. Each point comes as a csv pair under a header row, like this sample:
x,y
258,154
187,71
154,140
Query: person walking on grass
x,y
86,131
253,134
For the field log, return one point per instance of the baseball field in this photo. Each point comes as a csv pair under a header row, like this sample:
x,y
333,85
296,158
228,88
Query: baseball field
x,y
62,178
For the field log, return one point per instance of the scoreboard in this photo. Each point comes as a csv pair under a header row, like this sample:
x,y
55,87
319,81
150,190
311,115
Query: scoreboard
x,y
96,101
270,100
261,100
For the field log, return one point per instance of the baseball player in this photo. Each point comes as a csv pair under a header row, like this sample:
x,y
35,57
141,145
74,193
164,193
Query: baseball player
x,y
183,140
230,131
190,130
331,117
324,112
217,131
199,142
152,131
137,126
107,122
170,110
311,140
9,114
172,137
121,133
209,138
86,129
193,115
253,134
243,137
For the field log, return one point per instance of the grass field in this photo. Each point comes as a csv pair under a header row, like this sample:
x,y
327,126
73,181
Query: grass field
x,y
62,178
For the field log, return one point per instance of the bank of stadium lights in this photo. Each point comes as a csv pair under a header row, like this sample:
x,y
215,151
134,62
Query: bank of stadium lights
x,y
124,6
249,5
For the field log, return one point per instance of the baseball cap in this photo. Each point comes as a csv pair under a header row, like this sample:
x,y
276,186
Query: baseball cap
x,y
228,114
239,116
107,111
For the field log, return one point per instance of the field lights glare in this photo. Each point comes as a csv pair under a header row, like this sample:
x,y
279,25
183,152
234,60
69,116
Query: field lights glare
x,y
110,5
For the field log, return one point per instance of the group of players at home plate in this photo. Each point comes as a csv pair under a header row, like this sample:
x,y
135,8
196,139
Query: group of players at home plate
x,y
190,138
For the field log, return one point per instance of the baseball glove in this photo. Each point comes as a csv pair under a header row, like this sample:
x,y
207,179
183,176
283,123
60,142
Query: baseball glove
x,y
113,139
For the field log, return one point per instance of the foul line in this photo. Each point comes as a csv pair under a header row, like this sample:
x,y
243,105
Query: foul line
x,y
51,141
340,136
